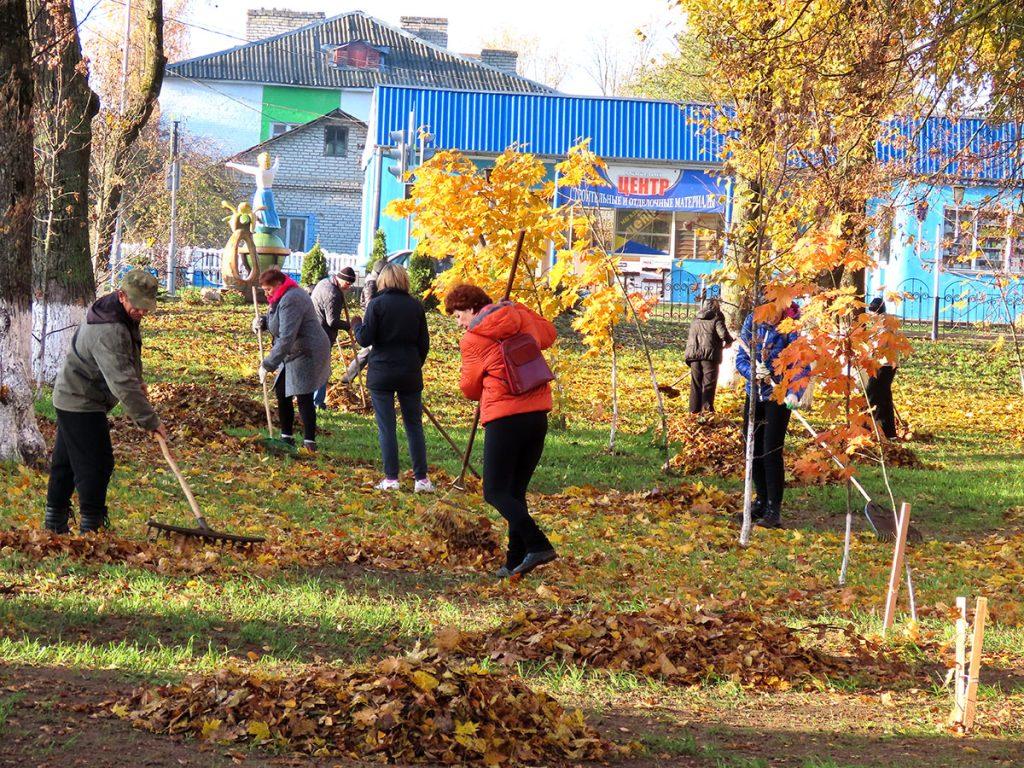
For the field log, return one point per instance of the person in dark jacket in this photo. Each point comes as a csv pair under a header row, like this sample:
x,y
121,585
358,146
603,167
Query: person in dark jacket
x,y
771,418
329,298
879,387
369,292
515,425
395,328
301,350
708,337
103,368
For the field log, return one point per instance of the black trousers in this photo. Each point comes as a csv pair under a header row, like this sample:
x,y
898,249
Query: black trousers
x,y
703,383
879,392
771,420
83,460
512,449
286,409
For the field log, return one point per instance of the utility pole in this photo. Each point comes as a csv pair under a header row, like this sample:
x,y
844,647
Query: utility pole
x,y
172,182
115,246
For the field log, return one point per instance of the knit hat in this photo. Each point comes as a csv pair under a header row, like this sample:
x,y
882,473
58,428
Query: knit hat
x,y
877,305
347,274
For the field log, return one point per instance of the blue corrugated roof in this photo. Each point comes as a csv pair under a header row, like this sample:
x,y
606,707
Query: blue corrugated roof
x,y
661,131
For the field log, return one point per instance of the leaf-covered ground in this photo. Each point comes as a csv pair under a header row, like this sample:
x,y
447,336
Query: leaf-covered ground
x,y
677,647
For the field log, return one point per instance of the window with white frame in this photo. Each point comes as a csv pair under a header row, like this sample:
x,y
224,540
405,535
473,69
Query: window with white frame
x,y
983,239
293,232
276,129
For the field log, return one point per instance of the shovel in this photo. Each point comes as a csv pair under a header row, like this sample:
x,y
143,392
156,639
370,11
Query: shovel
x,y
271,443
203,531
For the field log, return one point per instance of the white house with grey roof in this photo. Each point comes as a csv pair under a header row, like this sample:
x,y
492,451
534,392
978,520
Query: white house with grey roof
x,y
298,66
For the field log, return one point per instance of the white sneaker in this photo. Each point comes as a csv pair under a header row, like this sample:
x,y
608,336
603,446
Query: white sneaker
x,y
388,485
424,486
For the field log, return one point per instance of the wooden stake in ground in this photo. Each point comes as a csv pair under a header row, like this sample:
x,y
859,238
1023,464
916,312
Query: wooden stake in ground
x,y
959,681
971,697
895,575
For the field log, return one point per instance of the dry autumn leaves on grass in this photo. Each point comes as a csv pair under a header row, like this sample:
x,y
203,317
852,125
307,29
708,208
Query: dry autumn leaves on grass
x,y
371,626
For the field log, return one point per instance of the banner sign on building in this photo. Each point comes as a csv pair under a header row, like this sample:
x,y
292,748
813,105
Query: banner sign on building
x,y
661,189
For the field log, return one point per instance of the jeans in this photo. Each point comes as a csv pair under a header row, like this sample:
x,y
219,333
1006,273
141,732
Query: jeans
x,y
879,393
771,420
286,409
83,460
411,404
512,449
703,383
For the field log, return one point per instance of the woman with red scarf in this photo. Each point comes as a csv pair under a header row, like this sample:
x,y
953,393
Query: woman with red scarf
x,y
300,346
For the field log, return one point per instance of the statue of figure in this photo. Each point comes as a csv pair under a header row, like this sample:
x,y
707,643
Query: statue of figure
x,y
240,268
263,201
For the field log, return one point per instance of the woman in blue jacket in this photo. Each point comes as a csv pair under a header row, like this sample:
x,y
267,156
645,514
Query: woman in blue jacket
x,y
771,418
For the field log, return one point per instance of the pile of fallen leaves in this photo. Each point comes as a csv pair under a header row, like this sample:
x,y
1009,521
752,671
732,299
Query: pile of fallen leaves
x,y
658,503
472,536
198,413
901,455
682,645
709,443
109,549
347,397
417,708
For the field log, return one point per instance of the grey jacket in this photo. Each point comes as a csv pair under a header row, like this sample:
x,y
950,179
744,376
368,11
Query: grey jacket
x,y
370,287
329,303
104,366
299,343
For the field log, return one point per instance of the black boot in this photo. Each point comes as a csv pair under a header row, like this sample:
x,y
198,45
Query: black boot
x,y
756,511
56,519
772,517
93,520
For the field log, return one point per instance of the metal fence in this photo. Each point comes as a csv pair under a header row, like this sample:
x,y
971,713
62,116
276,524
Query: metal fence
x,y
964,304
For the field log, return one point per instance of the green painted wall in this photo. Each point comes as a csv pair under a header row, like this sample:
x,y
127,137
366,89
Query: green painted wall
x,y
282,104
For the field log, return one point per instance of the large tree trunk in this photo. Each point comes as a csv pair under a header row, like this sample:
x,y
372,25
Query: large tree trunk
x,y
64,108
20,439
121,130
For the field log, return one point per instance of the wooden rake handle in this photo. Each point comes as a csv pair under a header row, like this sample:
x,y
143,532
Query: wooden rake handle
x,y
259,339
181,481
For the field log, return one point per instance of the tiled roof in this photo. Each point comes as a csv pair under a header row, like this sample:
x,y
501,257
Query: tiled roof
x,y
300,58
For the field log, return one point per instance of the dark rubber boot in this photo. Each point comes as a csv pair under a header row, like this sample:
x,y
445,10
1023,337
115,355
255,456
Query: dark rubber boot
x,y
56,519
772,517
93,520
756,512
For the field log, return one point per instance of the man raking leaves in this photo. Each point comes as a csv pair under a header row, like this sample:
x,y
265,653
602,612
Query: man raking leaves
x,y
103,368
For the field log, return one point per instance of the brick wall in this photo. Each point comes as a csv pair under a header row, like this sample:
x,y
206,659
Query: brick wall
x,y
267,22
309,183
430,28
506,61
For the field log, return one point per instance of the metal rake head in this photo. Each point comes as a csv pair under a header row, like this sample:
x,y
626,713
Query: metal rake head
x,y
883,522
156,529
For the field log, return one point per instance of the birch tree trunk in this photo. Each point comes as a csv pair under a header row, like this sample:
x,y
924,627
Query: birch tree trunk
x,y
20,439
64,107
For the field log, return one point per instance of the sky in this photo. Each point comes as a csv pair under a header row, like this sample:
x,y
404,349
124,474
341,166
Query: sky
x,y
569,26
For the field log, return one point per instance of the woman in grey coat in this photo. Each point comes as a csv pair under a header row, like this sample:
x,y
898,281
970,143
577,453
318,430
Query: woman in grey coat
x,y
301,346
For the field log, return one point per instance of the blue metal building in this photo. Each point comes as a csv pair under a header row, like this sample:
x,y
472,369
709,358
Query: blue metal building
x,y
670,205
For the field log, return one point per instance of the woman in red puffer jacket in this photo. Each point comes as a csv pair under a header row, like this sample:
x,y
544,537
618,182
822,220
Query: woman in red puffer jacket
x,y
514,425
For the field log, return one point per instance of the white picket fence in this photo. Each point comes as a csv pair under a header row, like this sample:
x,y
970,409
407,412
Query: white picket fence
x,y
204,265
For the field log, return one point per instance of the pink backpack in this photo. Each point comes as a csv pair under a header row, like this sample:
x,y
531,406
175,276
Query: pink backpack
x,y
525,365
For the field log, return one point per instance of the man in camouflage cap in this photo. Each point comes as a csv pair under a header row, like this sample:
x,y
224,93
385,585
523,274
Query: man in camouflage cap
x,y
103,368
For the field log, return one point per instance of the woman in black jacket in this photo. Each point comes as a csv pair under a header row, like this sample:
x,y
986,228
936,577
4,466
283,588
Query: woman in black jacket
x,y
879,387
395,327
708,336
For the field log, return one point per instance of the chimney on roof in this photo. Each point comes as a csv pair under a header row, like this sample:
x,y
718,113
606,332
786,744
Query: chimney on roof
x,y
267,22
432,29
506,61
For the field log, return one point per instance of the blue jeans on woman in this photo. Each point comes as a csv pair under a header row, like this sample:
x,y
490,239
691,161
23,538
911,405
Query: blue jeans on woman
x,y
411,404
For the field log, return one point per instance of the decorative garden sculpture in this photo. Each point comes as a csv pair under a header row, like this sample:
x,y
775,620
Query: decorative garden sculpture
x,y
254,229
